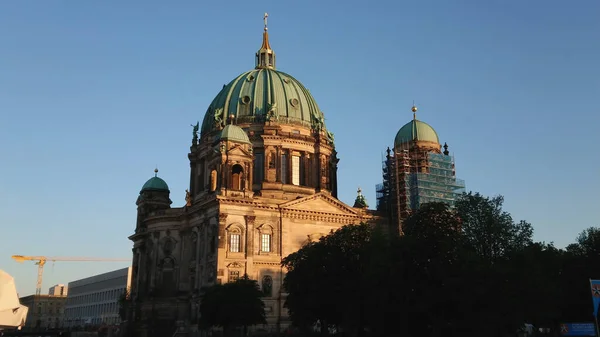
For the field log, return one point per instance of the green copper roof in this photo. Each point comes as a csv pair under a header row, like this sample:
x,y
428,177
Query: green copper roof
x,y
252,95
155,184
416,130
360,201
235,134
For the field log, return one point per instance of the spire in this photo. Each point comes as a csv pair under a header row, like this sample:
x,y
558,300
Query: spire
x,y
156,172
265,56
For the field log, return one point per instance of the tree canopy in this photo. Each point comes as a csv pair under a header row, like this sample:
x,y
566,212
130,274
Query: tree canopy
x,y
470,270
232,305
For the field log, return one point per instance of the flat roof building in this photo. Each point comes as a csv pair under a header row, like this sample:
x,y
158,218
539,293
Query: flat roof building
x,y
45,311
95,300
58,290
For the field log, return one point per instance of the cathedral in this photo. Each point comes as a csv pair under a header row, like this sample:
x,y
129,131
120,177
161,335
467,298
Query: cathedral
x,y
263,183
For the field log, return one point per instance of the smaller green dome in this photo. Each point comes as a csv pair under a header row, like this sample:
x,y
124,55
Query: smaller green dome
x,y
234,133
155,184
416,130
360,201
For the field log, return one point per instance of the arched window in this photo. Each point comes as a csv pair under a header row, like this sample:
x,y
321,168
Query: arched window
x,y
267,285
237,173
235,239
266,238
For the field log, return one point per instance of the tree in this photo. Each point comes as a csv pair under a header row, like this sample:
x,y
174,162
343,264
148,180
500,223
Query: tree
x,y
232,305
438,283
322,275
491,231
579,266
536,273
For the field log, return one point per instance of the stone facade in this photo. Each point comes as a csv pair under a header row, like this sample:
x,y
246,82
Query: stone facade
x,y
262,184
45,311
230,229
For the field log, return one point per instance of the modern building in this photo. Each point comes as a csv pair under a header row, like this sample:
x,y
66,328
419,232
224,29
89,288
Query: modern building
x,y
45,311
415,172
95,300
58,290
263,183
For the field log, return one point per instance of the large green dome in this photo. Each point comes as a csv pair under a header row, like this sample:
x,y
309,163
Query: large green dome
x,y
416,130
253,94
263,94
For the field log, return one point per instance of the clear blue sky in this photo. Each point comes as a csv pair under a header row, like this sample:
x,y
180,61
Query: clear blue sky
x,y
94,94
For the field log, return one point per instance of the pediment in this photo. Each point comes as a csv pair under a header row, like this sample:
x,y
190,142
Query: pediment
x,y
320,202
238,151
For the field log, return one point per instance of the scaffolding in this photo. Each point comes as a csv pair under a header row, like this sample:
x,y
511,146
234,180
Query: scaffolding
x,y
412,178
437,184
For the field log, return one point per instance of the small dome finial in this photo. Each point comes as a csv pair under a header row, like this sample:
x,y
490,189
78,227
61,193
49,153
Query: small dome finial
x,y
265,57
414,110
156,172
359,191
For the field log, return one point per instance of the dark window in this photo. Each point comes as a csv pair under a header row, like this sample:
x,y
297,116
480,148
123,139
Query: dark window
x,y
303,171
237,173
234,275
284,168
259,168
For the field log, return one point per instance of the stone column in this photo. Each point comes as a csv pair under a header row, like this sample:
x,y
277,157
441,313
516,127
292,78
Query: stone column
x,y
222,235
278,162
250,235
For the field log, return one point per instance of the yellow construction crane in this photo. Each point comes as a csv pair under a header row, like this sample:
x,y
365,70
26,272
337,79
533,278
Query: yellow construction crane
x,y
40,261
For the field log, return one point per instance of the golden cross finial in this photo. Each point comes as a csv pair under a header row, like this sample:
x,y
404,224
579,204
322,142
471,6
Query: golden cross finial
x,y
265,19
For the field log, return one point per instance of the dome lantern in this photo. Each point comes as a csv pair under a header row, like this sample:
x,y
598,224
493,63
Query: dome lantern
x,y
265,56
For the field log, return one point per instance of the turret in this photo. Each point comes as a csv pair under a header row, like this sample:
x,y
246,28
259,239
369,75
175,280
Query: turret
x,y
154,196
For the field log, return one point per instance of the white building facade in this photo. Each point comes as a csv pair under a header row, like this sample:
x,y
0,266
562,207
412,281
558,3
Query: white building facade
x,y
95,300
58,290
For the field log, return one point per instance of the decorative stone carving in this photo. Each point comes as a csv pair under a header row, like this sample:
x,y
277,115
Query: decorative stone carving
x,y
168,244
195,133
218,118
188,198
235,264
267,285
271,114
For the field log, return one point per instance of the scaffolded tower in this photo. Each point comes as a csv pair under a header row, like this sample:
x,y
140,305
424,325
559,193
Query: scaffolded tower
x,y
416,172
